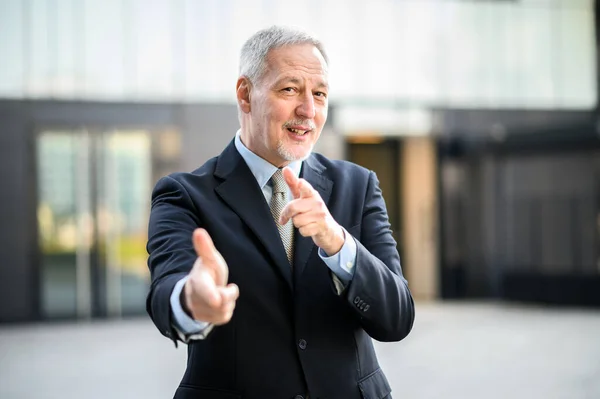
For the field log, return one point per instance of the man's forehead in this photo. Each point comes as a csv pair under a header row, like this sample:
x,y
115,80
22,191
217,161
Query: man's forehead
x,y
319,81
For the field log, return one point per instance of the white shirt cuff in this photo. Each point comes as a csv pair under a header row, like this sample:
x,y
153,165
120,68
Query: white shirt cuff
x,y
342,264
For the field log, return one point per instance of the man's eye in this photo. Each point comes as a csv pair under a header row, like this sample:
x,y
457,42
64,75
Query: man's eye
x,y
289,89
321,94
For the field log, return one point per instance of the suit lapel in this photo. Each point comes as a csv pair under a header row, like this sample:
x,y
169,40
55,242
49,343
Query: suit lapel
x,y
243,195
312,171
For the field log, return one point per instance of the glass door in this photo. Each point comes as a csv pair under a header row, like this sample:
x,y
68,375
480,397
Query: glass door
x,y
93,204
124,177
65,222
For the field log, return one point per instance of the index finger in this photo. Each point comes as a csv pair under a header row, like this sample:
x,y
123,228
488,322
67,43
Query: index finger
x,y
292,181
203,244
300,187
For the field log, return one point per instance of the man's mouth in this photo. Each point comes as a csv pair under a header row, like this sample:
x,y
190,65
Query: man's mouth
x,y
298,132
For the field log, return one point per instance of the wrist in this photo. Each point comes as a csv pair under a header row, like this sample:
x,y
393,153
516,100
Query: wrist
x,y
336,242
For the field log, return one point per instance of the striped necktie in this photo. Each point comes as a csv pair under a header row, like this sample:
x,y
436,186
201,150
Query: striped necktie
x,y
278,202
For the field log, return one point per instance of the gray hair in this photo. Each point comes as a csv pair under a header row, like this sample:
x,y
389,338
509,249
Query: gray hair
x,y
256,49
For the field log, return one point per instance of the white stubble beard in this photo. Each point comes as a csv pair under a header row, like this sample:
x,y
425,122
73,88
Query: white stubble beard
x,y
288,155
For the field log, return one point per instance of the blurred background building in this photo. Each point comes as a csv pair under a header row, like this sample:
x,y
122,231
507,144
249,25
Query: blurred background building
x,y
479,117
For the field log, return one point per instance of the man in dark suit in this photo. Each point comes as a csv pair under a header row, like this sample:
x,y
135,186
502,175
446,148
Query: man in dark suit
x,y
276,265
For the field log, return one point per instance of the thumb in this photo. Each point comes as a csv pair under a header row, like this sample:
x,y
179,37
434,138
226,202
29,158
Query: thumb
x,y
292,181
229,293
210,291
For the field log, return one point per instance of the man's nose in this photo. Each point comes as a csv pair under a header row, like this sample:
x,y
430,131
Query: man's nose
x,y
306,108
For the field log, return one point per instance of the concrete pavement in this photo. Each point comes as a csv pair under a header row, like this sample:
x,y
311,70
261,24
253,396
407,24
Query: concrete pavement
x,y
456,350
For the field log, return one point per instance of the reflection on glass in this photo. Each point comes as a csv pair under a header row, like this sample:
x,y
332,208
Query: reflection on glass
x,y
123,207
65,223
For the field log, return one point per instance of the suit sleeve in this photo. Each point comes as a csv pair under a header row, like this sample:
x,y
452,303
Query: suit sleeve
x,y
170,249
378,292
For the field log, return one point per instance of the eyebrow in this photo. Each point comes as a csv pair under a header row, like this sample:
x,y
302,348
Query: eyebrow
x,y
289,79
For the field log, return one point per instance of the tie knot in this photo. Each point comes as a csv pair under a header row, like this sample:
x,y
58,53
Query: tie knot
x,y
278,182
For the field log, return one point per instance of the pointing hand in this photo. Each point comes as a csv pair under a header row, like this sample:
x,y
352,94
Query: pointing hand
x,y
207,296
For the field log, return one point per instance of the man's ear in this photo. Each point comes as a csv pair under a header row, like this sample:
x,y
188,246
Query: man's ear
x,y
243,88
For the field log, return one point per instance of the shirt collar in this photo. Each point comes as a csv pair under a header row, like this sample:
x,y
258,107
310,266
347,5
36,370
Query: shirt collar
x,y
260,168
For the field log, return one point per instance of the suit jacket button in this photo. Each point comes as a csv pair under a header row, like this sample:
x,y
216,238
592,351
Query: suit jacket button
x,y
298,397
356,300
302,344
367,307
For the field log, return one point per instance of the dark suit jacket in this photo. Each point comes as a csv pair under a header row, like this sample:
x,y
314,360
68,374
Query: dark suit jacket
x,y
290,333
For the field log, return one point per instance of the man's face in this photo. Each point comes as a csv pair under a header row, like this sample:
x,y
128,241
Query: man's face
x,y
288,106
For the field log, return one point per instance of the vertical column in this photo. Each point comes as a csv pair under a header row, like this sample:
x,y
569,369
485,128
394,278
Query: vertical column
x,y
84,220
420,216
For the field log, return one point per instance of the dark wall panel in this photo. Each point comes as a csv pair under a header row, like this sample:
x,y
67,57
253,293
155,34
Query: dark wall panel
x,y
18,295
207,129
102,114
529,222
